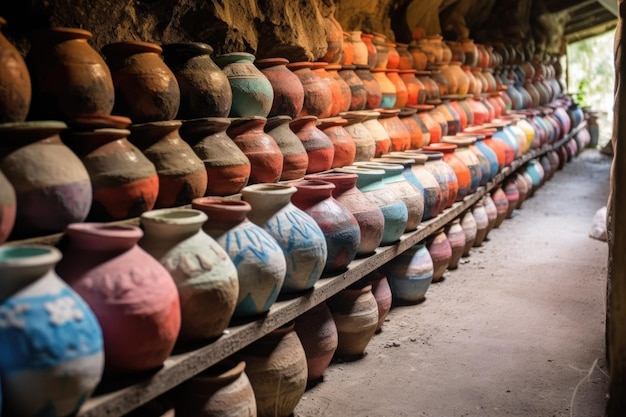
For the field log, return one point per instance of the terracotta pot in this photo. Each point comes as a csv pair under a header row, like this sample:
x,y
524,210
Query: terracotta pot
x,y
358,92
420,58
182,176
402,93
277,368
359,48
204,88
470,228
338,224
334,41
338,98
260,262
295,157
69,77
30,156
469,158
445,176
522,187
205,276
440,253
416,91
367,214
482,223
363,139
298,235
461,169
432,88
345,99
387,88
512,195
227,167
343,144
222,390
393,57
382,50
382,293
410,274
355,312
347,54
8,208
317,332
15,84
413,126
319,147
435,131
398,133
141,323
252,91
456,238
266,158
470,51
146,90
457,53
367,38
374,94
502,205
379,133
288,90
492,212
406,59
42,314
317,93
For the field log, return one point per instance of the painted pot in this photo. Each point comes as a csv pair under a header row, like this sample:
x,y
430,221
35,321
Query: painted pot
x,y
295,157
416,91
52,348
387,88
334,40
15,83
482,223
445,176
414,126
379,133
461,169
382,294
399,134
513,196
367,39
440,253
470,228
492,212
374,94
467,157
343,144
456,238
141,323
410,274
205,276
434,128
402,93
345,99
502,205
8,208
227,167
363,139
317,93
317,332
358,92
260,262
298,235
288,90
204,88
318,146
337,93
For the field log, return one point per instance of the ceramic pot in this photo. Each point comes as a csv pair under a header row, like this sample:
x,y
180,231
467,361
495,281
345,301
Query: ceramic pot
x,y
334,40
360,56
344,101
420,58
288,90
512,195
69,78
205,276
266,159
124,182
277,368
382,50
363,139
440,252
382,294
182,176
367,214
414,127
358,92
260,262
482,223
434,128
337,93
295,157
51,338
317,93
502,205
367,39
222,390
456,238
140,323
461,169
15,84
399,135
379,133
317,332
355,312
146,90
8,208
445,176
343,144
298,235
405,61
227,167
30,156
410,274
374,94
347,54
402,93
318,146
387,88
204,88
339,226
468,223
416,91
492,212
469,158
393,57
453,120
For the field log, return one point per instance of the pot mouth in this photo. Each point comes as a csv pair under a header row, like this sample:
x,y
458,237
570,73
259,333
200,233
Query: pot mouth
x,y
269,188
270,62
178,216
27,256
61,34
130,47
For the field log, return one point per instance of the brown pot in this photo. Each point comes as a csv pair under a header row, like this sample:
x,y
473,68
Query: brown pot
x,y
343,144
318,98
358,94
345,100
295,157
318,334
440,252
15,88
318,145
288,90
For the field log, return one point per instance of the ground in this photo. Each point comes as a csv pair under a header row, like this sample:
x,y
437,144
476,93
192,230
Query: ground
x,y
516,330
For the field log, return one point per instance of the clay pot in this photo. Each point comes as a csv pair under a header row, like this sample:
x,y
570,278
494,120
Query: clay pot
x,y
420,58
344,100
222,390
347,54
502,205
252,91
374,94
204,88
414,127
402,93
358,92
410,274
339,226
445,176
435,131
334,41
298,235
491,160
69,77
30,156
363,139
227,167
15,86
371,49
431,86
367,214
343,144
461,169
318,146
35,301
338,99
355,312
146,90
8,208
492,212
205,276
295,157
469,158
512,195
140,324
382,50
266,158
379,133
405,58
393,56
470,51
456,238
398,133
453,120
260,262
482,223
440,252
277,368
317,92
288,90
522,188
182,176
359,47
416,91
317,332
382,293
387,88
468,223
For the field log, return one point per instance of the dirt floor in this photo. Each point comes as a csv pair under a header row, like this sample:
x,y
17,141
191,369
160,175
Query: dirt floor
x,y
517,330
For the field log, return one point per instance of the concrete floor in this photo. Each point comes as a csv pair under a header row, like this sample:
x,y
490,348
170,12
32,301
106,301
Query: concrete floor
x,y
517,330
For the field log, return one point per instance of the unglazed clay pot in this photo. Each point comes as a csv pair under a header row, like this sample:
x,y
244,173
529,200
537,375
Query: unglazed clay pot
x,y
222,390
51,339
482,223
337,93
374,94
492,212
378,132
146,90
15,84
402,94
227,167
182,176
363,139
440,252
343,144
468,223
398,133
295,157
252,91
414,126
345,98
387,88
502,205
205,276
318,146
69,77
456,238
277,368
416,91
52,186
334,40
317,332
410,274
512,195
260,262
141,323
355,312
445,176
358,92
317,93
299,236
288,90
382,294
204,88
461,170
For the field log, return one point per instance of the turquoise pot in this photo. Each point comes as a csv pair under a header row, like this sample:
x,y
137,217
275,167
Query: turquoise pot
x,y
410,274
536,172
491,159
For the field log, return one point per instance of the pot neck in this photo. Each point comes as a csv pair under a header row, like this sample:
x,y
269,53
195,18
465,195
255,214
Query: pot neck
x,y
21,266
266,200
